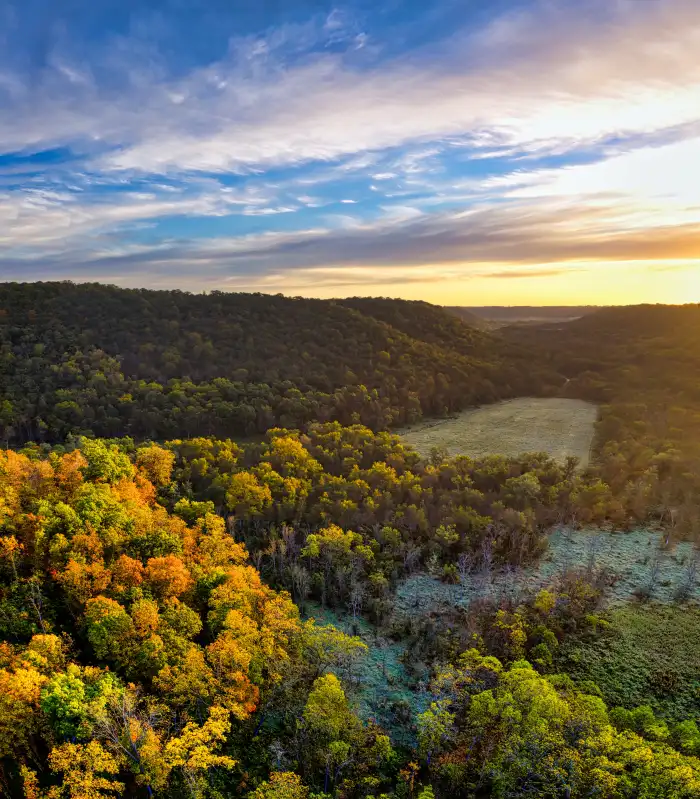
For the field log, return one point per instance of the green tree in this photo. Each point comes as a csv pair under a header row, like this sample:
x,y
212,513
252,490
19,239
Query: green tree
x,y
435,729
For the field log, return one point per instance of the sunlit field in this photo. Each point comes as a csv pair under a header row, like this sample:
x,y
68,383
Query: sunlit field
x,y
559,427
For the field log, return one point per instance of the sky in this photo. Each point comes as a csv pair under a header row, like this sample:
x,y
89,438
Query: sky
x,y
464,152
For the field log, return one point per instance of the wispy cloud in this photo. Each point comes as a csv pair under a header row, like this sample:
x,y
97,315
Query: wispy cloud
x,y
513,235
553,76
550,133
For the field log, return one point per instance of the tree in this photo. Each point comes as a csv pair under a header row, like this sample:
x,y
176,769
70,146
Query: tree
x,y
245,495
329,726
73,698
87,771
325,647
435,729
126,573
530,737
110,630
281,785
168,576
327,713
20,721
156,463
194,750
105,462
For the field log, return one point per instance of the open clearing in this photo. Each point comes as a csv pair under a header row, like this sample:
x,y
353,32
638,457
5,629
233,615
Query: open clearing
x,y
657,635
633,560
559,427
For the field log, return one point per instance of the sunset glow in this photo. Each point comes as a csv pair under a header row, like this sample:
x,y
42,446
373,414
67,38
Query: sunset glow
x,y
514,152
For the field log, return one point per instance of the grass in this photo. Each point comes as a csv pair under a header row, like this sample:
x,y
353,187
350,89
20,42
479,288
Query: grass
x,y
559,427
649,656
627,557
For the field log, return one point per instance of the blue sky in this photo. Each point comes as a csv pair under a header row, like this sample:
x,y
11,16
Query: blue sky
x,y
511,151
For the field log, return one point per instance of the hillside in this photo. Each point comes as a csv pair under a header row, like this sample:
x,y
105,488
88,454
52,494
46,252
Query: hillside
x,y
495,316
616,352
643,364
165,363
431,324
322,612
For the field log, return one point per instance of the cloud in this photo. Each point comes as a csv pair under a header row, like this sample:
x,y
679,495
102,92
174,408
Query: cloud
x,y
518,239
550,78
577,84
657,175
551,135
46,218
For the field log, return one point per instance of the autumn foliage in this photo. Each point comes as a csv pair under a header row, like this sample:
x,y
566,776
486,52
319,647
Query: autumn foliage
x,y
145,652
169,615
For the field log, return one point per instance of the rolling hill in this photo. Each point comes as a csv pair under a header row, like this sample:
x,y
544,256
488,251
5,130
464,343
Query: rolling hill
x,y
160,363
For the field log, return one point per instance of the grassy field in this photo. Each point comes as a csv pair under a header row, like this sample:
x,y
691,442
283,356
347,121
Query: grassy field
x,y
649,656
559,427
634,559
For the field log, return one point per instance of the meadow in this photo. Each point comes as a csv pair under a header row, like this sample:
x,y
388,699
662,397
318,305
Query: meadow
x,y
559,427
636,564
639,659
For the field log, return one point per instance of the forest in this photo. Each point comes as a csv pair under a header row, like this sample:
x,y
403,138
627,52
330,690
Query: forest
x,y
196,490
642,364
154,364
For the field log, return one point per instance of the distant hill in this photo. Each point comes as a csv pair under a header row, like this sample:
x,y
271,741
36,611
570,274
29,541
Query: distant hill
x,y
156,364
494,316
431,324
642,363
656,344
468,316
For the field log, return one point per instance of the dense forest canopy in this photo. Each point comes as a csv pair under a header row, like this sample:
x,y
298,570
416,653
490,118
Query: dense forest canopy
x,y
157,364
189,481
144,655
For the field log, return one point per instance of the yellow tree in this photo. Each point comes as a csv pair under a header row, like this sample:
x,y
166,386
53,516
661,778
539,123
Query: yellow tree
x,y
245,494
281,785
20,718
88,772
194,750
155,463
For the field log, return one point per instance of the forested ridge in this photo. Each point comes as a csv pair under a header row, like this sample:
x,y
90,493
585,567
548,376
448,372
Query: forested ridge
x,y
158,364
642,364
189,481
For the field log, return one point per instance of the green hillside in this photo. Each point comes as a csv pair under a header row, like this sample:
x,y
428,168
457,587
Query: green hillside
x,y
162,363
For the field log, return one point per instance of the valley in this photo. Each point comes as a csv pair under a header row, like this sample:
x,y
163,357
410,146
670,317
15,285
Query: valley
x,y
241,552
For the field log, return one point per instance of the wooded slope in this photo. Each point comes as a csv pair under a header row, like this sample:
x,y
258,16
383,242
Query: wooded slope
x,y
166,363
